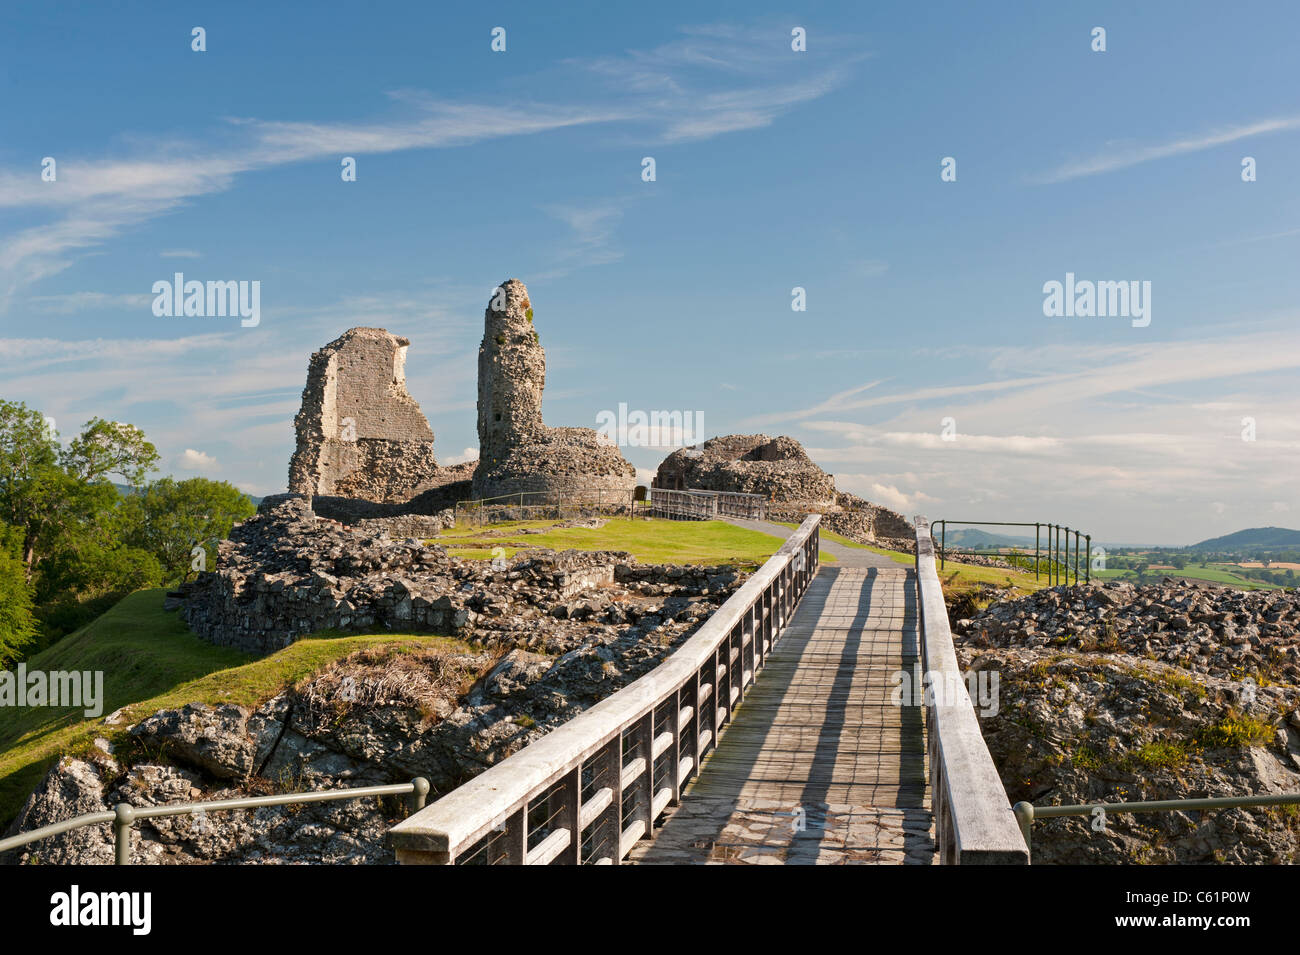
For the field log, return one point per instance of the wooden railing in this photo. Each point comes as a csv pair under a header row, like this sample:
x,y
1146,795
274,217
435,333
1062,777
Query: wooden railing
x,y
973,820
588,790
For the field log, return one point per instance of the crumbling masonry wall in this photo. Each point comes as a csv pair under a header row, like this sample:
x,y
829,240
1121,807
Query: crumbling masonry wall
x,y
778,468
359,433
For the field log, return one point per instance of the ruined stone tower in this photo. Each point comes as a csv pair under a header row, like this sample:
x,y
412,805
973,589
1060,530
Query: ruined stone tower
x,y
511,374
360,434
517,452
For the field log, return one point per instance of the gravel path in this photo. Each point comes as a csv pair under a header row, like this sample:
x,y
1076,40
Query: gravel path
x,y
844,556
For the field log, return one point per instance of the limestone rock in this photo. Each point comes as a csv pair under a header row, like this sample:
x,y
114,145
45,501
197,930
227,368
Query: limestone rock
x,y
215,740
1099,700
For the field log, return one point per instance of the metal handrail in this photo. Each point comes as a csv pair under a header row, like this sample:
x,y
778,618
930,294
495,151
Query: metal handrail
x,y
1057,555
1027,813
124,815
581,771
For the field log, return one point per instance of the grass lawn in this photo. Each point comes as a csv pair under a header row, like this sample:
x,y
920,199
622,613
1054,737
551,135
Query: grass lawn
x,y
151,661
649,541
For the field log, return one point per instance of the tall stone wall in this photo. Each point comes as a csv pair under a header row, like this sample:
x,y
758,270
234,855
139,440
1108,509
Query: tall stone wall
x,y
359,433
518,453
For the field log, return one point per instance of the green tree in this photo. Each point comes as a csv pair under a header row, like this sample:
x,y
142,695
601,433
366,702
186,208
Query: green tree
x,y
17,625
105,448
65,515
168,518
79,583
29,476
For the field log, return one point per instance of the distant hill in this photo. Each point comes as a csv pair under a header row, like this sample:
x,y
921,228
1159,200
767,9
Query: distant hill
x,y
1253,538
974,537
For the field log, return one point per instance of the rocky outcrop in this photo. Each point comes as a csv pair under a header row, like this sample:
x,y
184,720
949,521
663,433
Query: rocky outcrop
x,y
517,451
777,468
444,711
214,740
1118,692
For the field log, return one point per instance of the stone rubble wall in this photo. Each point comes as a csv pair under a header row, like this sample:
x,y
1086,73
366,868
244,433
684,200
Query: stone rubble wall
x,y
286,573
857,519
777,468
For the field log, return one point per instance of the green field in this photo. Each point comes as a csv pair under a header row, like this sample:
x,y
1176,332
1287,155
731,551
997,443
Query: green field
x,y
1215,573
151,661
649,541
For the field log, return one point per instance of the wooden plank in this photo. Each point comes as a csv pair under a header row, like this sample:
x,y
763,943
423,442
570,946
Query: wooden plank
x,y
817,729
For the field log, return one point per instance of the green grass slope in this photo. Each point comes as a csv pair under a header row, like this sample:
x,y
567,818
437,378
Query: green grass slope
x,y
151,661
649,541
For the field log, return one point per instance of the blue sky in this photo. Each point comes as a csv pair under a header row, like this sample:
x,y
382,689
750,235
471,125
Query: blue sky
x,y
774,169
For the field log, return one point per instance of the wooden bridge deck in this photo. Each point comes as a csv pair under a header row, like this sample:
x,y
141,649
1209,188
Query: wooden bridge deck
x,y
819,766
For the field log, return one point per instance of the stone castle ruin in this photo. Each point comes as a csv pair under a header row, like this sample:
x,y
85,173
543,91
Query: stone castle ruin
x,y
780,470
517,452
777,468
343,548
365,450
360,434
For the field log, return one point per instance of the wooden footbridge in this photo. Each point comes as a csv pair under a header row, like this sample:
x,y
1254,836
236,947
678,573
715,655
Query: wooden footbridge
x,y
785,731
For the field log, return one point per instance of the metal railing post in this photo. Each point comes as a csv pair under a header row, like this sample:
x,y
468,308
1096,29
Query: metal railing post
x,y
1037,531
1056,555
123,817
419,793
1087,559
1025,817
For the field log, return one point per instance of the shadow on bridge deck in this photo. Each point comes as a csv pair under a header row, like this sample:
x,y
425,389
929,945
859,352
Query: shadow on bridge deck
x,y
819,766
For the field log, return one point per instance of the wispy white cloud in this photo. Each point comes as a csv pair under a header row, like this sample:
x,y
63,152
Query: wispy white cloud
x,y
724,78
73,302
1121,155
711,81
1138,443
888,495
592,236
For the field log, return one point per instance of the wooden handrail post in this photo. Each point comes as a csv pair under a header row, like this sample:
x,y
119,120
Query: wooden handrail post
x,y
570,810
516,837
